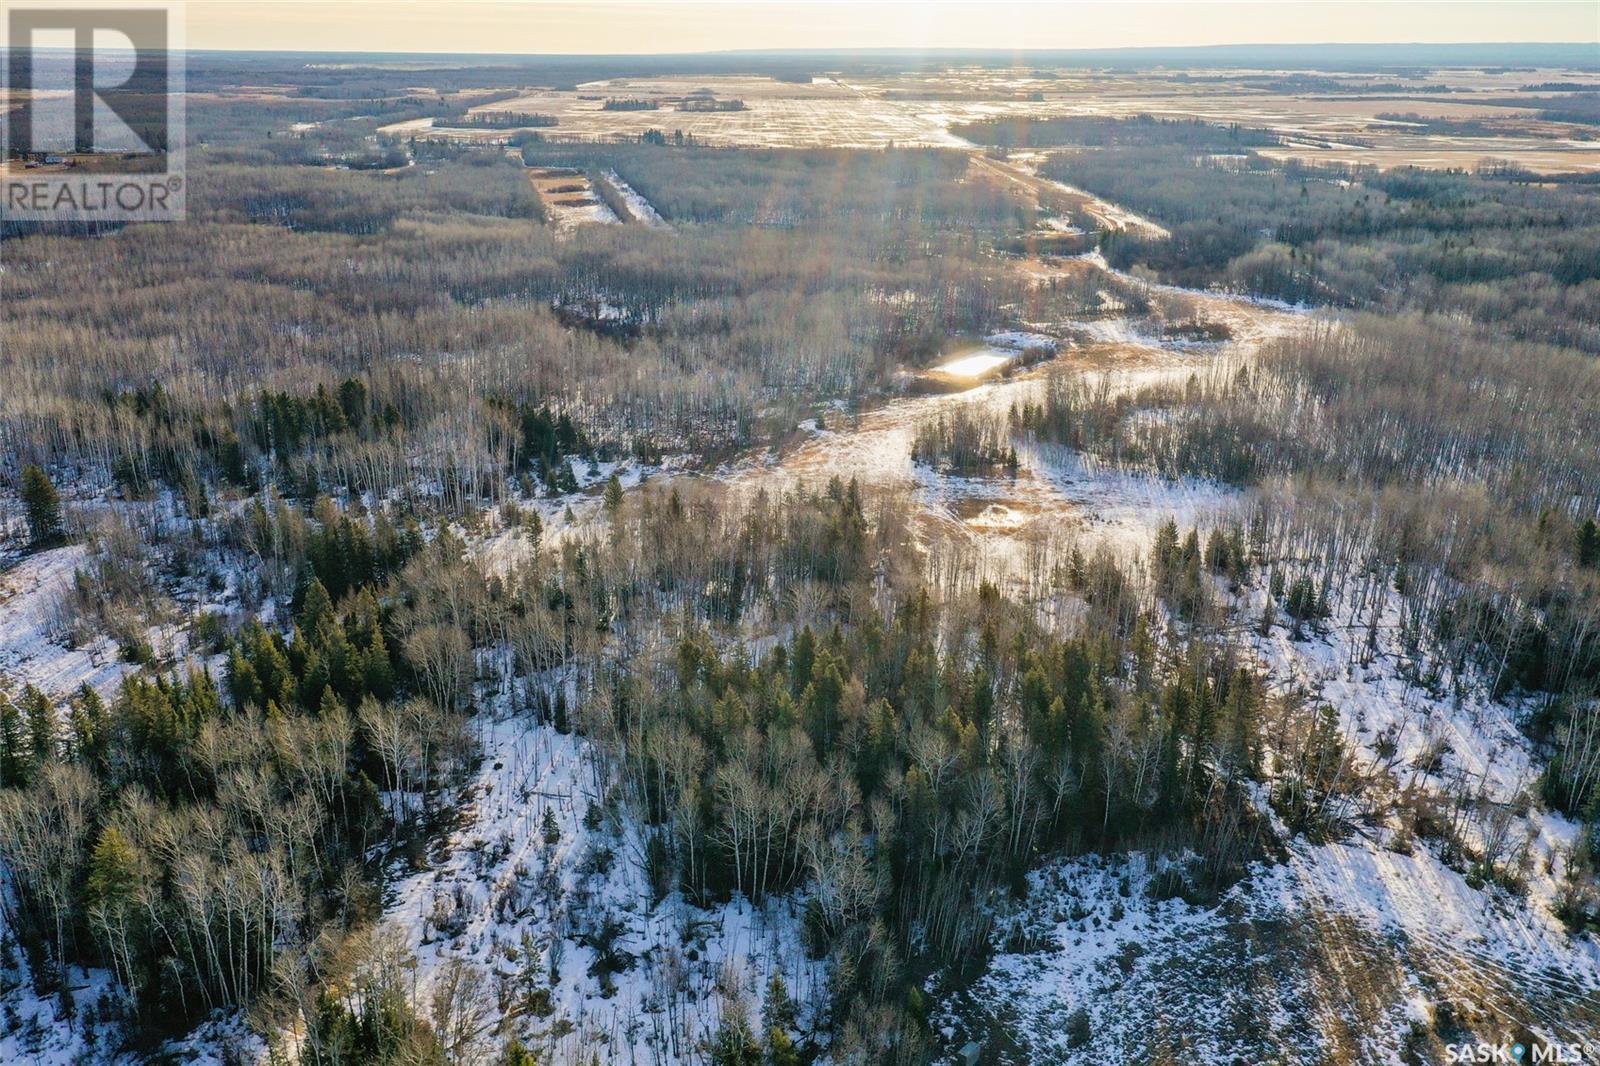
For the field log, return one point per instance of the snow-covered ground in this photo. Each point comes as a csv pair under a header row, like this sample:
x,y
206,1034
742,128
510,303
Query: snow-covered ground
x,y
569,215
1115,217
34,1028
34,628
530,913
642,210
1058,224
1432,739
1362,950
1333,956
1020,340
570,199
1339,951
34,649
36,1031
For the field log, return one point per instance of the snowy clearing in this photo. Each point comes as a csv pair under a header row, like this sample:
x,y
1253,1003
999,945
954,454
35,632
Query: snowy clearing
x,y
1337,953
34,628
536,909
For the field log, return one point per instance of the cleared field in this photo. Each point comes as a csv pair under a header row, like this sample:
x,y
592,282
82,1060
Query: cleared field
x,y
920,110
1462,153
795,122
569,197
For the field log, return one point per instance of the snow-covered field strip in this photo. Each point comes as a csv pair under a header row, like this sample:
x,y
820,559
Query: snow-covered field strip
x,y
1116,218
643,211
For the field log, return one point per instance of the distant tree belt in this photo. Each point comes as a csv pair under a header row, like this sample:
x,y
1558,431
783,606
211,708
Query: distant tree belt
x,y
507,120
1023,132
903,188
702,103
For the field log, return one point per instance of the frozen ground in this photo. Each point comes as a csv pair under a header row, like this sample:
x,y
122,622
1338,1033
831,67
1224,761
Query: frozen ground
x,y
1337,955
1338,952
1444,738
1021,340
34,650
35,1031
643,211
1367,950
1013,529
569,198
1115,218
34,628
921,109
518,908
536,914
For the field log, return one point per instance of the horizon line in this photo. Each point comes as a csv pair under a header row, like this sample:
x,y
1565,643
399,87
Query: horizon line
x,y
906,51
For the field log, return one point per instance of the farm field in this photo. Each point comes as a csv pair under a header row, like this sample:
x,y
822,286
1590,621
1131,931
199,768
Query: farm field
x,y
863,112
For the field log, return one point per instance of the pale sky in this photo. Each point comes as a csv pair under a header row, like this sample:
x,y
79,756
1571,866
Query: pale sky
x,y
639,26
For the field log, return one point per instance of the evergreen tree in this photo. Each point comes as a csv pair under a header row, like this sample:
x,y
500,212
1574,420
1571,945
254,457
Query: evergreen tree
x,y
316,608
353,402
41,718
780,1049
42,505
559,713
779,1011
377,674
112,867
15,765
735,1044
1164,555
549,829
88,722
801,660
1587,548
517,1054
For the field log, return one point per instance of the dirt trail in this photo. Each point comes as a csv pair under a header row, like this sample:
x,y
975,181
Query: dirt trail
x,y
1107,214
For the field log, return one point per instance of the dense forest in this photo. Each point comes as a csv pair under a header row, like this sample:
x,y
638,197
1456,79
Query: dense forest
x,y
458,293
373,454
890,758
